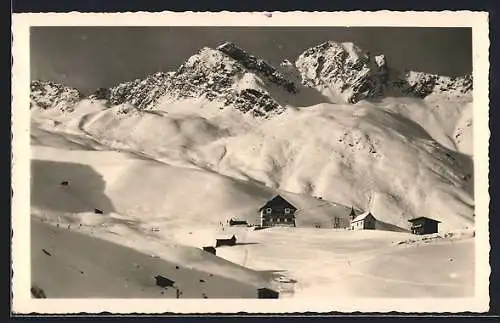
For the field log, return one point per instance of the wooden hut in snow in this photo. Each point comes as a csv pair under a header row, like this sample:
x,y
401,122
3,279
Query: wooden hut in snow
x,y
209,249
226,241
267,293
164,281
235,222
423,225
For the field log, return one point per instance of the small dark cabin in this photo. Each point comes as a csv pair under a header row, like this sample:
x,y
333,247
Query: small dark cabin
x,y
226,242
277,212
164,282
98,211
209,249
267,293
423,225
237,222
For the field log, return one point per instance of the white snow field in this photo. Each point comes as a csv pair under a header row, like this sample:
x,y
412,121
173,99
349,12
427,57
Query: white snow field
x,y
68,264
170,211
341,263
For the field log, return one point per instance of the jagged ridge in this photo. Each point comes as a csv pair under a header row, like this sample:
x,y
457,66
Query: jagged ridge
x,y
229,76
50,95
217,75
349,72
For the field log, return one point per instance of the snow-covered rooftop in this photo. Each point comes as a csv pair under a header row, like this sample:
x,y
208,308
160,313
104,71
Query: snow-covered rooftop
x,y
360,217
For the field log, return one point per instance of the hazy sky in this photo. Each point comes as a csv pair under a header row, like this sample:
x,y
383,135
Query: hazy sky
x,y
91,57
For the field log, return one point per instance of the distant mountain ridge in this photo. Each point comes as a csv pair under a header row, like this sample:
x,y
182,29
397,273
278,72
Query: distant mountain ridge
x,y
51,95
339,123
230,76
354,74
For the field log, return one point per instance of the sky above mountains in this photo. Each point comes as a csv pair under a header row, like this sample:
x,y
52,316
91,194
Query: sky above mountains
x,y
91,57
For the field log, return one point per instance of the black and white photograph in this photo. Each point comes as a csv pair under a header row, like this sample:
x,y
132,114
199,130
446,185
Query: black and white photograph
x,y
302,162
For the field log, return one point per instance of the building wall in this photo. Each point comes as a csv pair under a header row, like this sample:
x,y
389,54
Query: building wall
x,y
427,227
277,217
359,225
431,227
369,224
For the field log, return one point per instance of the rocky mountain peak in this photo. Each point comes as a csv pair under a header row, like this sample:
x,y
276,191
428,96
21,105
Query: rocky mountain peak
x,y
346,70
227,75
257,65
230,76
51,95
141,93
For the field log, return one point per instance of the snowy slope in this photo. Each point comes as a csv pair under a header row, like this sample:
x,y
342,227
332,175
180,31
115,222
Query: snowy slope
x,y
66,265
344,155
166,211
155,194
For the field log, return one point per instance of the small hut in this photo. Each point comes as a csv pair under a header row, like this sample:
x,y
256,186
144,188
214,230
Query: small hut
x,y
423,225
267,293
233,222
209,249
226,241
164,281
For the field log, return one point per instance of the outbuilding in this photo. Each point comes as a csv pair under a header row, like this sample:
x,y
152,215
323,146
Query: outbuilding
x,y
226,241
233,222
209,249
423,225
164,281
267,293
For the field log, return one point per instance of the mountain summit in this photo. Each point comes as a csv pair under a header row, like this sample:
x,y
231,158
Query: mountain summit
x,y
227,75
230,76
344,70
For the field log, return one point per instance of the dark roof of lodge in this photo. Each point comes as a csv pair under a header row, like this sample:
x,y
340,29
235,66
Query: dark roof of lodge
x,y
278,200
423,218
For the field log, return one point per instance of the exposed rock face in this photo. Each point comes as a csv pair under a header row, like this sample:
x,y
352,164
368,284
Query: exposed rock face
x,y
227,75
421,84
344,69
141,93
50,95
353,74
257,65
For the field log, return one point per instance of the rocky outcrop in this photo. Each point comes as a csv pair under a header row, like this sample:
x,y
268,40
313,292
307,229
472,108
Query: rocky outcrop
x,y
227,75
347,71
50,95
257,65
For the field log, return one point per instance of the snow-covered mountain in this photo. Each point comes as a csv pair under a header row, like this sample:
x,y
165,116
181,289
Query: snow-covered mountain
x,y
340,124
344,70
50,95
230,76
226,75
